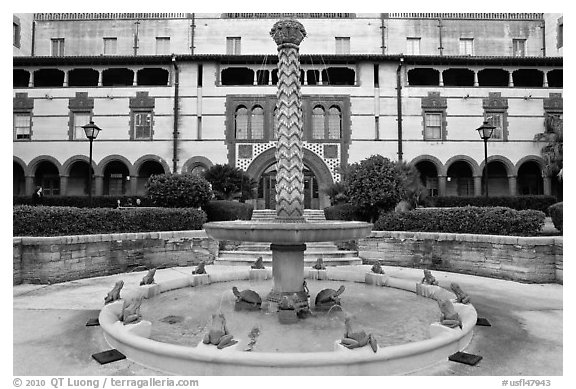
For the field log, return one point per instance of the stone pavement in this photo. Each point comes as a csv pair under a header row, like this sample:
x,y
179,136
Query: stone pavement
x,y
526,337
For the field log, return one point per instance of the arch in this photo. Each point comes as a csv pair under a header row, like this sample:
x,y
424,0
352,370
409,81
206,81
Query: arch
x,y
257,122
192,162
99,171
311,160
31,169
241,122
70,161
18,178
237,76
458,77
151,157
510,169
83,77
334,122
493,77
428,158
117,77
529,158
20,78
116,175
48,78
424,76
318,122
473,165
530,178
20,162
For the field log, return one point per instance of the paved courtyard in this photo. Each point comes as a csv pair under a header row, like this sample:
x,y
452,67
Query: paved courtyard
x,y
525,339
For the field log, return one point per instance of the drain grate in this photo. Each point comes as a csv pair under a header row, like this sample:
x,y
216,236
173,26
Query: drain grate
x,y
468,359
108,356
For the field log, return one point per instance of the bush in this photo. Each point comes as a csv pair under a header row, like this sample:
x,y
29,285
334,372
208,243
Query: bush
x,y
346,212
375,185
556,214
223,210
178,190
539,203
465,220
53,221
83,201
229,183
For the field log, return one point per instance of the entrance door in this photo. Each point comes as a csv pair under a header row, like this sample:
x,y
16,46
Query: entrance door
x,y
267,189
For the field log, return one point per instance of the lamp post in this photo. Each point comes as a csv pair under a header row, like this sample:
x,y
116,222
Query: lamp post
x,y
485,131
92,131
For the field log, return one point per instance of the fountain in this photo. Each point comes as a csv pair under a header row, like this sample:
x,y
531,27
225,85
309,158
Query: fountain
x,y
349,352
289,232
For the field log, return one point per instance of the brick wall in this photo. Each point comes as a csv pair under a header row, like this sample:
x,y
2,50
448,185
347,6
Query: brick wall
x,y
65,258
534,259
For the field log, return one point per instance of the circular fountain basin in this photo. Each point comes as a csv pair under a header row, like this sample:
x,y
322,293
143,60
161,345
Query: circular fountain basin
x,y
134,340
287,233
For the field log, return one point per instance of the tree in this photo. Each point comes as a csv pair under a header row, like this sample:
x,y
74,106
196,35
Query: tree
x,y
375,185
415,190
553,148
178,190
229,183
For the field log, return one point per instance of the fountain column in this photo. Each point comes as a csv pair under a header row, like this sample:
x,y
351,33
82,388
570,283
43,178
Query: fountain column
x,y
288,260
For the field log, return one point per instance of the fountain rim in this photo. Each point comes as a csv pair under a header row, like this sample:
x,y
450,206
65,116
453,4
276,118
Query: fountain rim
x,y
286,232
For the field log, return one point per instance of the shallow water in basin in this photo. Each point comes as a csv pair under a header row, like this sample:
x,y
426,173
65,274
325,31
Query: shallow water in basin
x,y
393,316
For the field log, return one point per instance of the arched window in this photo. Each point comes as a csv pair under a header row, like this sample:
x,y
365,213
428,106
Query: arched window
x,y
318,122
241,121
334,123
257,123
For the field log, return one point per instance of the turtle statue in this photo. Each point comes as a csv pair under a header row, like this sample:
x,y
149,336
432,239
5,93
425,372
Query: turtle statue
x,y
218,333
377,268
461,297
131,311
428,279
114,294
148,278
450,317
200,269
258,264
319,265
246,299
327,298
357,339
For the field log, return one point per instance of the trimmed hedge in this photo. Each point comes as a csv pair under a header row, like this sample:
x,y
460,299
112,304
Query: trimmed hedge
x,y
178,190
556,213
223,210
539,203
54,221
465,220
83,201
346,212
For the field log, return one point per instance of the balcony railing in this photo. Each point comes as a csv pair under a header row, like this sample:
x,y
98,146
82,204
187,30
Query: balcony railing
x,y
108,16
483,16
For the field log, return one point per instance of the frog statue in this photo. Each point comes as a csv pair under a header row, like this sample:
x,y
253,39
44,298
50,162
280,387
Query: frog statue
x,y
461,297
114,294
450,317
377,268
356,339
200,269
428,279
319,265
258,264
218,333
148,278
131,311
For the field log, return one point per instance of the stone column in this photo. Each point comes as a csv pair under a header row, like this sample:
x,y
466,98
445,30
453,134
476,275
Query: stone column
x,y
100,77
510,79
545,84
441,78
98,185
135,78
133,180
305,77
441,185
255,82
476,78
512,185
29,185
31,82
66,75
477,185
289,150
63,185
320,77
547,185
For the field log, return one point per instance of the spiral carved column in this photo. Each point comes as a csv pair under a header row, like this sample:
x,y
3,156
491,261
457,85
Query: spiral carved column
x,y
289,153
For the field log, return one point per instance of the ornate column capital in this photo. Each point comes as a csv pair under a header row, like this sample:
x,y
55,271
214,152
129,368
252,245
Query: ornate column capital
x,y
288,32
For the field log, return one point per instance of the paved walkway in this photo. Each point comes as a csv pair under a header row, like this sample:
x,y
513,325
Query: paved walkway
x,y
50,336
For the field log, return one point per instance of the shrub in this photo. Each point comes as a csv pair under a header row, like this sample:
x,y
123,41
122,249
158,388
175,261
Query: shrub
x,y
539,202
465,220
53,221
222,210
556,213
346,212
229,183
83,201
375,185
178,190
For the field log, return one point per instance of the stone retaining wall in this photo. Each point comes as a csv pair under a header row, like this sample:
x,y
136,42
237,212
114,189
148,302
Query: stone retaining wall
x,y
65,258
526,259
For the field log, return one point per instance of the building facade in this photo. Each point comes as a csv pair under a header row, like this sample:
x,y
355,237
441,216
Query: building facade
x,y
179,92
